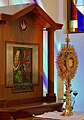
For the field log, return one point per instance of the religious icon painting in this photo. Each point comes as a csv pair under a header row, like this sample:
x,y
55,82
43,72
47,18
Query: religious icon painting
x,y
22,67
21,72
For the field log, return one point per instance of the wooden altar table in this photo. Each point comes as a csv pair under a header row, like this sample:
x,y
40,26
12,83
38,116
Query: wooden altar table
x,y
55,115
28,110
32,118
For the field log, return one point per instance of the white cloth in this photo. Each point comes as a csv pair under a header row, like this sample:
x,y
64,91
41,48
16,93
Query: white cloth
x,y
58,116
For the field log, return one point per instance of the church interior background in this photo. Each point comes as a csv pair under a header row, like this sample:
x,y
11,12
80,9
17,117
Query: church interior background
x,y
57,14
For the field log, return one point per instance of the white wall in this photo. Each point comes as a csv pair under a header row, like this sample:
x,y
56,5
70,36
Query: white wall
x,y
78,83
55,10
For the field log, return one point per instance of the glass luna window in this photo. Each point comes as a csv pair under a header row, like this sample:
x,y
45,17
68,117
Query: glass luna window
x,y
75,16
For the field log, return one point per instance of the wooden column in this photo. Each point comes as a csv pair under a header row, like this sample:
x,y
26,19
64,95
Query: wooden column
x,y
51,62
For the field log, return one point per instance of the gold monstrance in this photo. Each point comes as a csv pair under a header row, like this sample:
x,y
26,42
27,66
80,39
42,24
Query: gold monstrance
x,y
67,63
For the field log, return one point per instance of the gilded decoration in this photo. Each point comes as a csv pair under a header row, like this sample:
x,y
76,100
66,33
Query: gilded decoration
x,y
67,62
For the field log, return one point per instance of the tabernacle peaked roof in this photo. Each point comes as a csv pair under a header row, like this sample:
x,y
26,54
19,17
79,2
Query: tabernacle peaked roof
x,y
13,12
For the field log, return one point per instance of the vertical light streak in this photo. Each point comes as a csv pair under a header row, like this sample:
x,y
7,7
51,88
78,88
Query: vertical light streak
x,y
45,62
57,47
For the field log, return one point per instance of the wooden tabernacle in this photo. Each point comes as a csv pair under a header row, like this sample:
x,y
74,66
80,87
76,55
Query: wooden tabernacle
x,y
22,26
